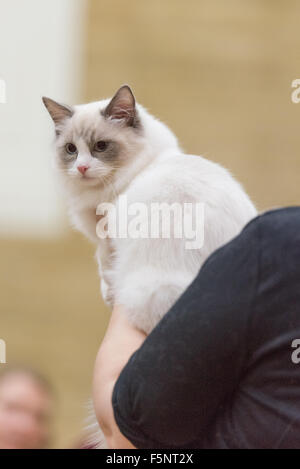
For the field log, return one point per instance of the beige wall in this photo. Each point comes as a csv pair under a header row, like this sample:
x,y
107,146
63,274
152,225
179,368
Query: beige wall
x,y
52,318
218,72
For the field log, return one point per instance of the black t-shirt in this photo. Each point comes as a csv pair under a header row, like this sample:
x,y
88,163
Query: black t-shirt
x,y
217,371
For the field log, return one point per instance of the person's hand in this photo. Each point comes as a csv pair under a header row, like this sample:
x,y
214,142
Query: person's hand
x,y
120,342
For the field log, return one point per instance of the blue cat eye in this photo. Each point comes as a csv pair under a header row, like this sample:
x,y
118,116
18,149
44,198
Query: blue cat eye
x,y
71,149
100,146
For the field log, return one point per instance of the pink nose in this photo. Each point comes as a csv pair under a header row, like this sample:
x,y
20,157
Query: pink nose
x,y
83,169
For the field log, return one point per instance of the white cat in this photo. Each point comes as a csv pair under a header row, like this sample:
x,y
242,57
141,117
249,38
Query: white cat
x,y
114,148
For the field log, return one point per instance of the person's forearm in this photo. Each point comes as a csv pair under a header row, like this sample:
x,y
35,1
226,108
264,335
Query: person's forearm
x,y
120,342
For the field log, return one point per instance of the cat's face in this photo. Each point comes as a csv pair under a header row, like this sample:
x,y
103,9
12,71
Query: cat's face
x,y
94,140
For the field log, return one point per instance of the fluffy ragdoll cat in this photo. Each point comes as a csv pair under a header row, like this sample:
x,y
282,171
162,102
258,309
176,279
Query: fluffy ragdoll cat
x,y
115,148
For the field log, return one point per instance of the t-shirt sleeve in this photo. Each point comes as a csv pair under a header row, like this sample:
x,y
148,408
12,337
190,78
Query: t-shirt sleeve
x,y
173,387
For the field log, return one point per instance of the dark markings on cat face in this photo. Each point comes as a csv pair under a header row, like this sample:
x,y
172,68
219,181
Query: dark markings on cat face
x,y
122,107
111,153
65,157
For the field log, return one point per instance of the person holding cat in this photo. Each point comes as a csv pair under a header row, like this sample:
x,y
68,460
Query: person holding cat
x,y
219,370
176,389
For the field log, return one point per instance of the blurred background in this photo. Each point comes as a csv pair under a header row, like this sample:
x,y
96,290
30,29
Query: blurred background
x,y
218,73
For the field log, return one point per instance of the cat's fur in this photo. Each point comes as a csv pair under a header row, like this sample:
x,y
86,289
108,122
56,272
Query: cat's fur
x,y
143,161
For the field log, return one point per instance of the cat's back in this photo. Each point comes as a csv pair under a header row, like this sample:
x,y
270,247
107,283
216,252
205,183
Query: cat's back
x,y
177,177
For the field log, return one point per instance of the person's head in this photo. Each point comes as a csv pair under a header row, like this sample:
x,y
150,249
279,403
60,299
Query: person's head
x,y
26,406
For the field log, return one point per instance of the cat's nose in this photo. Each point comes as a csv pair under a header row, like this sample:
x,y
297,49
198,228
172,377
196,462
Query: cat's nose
x,y
82,169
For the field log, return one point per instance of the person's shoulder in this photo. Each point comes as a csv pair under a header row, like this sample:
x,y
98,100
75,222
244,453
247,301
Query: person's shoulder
x,y
279,227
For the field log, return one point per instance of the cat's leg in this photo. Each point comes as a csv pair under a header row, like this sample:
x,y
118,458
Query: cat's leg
x,y
105,292
104,264
94,436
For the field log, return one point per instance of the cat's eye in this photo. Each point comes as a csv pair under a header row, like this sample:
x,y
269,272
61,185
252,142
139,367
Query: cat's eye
x,y
71,149
100,146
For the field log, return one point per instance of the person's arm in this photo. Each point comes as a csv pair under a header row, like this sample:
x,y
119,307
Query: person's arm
x,y
120,342
217,371
184,375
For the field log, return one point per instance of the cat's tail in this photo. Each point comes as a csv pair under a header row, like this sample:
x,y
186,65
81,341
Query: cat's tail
x,y
94,437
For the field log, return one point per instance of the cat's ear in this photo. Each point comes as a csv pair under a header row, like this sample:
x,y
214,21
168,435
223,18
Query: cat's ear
x,y
58,112
122,107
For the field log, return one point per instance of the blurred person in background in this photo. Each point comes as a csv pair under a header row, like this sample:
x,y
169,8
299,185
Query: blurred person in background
x,y
26,409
